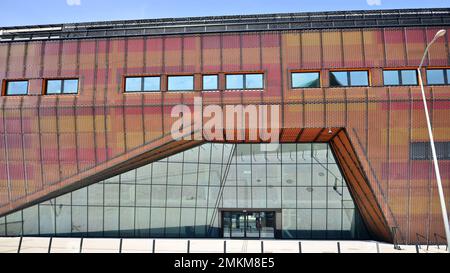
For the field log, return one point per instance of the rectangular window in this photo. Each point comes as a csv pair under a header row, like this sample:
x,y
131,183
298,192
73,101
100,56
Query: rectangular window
x,y
422,150
16,88
438,76
349,78
305,80
55,87
399,77
181,83
143,84
210,82
244,81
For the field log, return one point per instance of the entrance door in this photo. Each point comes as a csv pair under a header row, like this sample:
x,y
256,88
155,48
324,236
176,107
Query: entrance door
x,y
254,224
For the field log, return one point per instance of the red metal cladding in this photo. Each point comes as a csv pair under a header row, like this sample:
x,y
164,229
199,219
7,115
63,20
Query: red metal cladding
x,y
48,143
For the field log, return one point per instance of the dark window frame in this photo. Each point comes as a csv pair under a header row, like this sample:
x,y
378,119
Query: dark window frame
x,y
442,150
349,79
245,81
446,78
400,77
6,85
306,72
142,78
181,90
62,80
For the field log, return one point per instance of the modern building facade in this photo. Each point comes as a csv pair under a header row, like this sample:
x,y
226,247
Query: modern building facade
x,y
85,135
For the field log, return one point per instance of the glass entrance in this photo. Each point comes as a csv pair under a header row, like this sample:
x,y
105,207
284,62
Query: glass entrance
x,y
254,224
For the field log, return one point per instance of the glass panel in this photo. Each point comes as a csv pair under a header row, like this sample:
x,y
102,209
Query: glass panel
x,y
17,88
334,222
273,197
289,175
338,79
63,220
235,81
144,175
14,224
304,223
289,197
254,81
409,77
359,78
181,83
30,221
54,87
320,152
244,197
210,82
319,197
152,83
173,196
143,195
127,195
126,222
112,194
304,197
111,221
133,84
70,86
391,77
158,196
95,195
259,197
187,225
79,220
142,228
289,223
306,80
319,223
448,76
79,197
435,76
173,216
95,221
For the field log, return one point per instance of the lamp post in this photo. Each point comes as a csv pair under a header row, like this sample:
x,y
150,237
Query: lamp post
x,y
439,34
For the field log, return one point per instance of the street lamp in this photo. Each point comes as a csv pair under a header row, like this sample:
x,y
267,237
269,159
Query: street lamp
x,y
439,34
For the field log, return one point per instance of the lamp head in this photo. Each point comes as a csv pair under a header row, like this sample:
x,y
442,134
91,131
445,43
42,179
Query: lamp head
x,y
440,33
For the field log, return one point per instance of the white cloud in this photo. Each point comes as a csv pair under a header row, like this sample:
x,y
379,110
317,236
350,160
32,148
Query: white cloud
x,y
73,2
374,2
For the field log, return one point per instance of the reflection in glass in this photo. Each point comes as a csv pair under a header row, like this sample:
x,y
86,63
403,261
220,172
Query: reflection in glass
x,y
306,80
210,82
436,76
338,78
152,83
133,84
70,87
235,81
254,81
409,77
54,87
17,88
181,83
391,77
184,195
359,78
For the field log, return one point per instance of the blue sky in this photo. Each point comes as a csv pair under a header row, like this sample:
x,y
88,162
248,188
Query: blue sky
x,y
26,12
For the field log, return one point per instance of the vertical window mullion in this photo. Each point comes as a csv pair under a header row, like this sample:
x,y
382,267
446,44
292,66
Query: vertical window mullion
x,y
400,78
142,84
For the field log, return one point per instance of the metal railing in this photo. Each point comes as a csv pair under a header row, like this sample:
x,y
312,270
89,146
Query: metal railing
x,y
211,24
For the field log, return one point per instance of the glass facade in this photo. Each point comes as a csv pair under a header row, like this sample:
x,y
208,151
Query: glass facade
x,y
294,191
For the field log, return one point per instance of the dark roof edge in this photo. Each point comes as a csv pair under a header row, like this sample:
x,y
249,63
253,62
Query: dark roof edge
x,y
231,23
